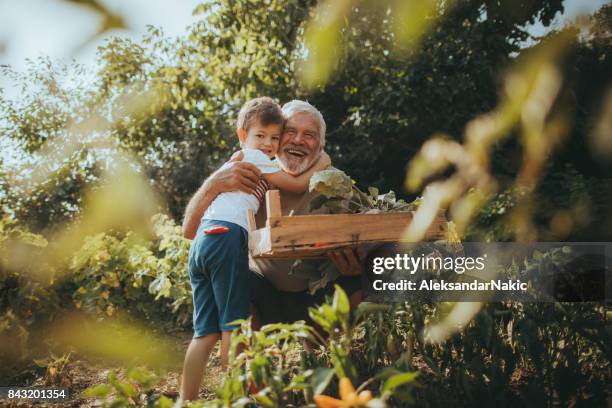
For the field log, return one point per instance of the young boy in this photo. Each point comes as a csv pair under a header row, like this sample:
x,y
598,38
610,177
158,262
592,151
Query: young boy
x,y
218,257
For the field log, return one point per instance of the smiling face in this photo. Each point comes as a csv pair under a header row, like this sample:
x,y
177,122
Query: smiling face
x,y
261,137
300,144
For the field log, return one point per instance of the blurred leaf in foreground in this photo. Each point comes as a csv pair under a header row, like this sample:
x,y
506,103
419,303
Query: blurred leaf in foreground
x,y
110,20
411,18
458,315
531,91
115,340
601,137
124,202
323,41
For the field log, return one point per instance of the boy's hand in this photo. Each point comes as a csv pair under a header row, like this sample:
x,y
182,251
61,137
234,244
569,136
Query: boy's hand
x,y
324,160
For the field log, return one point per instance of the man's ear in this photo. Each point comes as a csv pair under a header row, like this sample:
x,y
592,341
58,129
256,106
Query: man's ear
x,y
242,135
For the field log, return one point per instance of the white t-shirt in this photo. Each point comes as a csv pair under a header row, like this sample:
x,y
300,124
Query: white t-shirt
x,y
233,206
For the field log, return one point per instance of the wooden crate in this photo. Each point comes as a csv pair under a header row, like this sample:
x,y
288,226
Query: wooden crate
x,y
304,236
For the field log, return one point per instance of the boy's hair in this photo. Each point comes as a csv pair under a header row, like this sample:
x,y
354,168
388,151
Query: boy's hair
x,y
263,110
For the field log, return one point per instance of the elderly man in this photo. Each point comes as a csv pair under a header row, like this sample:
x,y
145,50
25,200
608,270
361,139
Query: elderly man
x,y
276,294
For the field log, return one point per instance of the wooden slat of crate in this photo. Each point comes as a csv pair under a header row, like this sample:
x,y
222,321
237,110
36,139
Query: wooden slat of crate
x,y
339,228
305,252
313,235
265,249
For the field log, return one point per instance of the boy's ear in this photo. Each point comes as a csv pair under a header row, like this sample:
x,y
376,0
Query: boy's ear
x,y
242,135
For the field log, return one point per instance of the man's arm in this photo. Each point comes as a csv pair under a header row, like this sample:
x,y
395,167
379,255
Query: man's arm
x,y
298,184
237,176
196,207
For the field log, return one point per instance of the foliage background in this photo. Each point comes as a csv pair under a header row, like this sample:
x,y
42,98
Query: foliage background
x,y
380,106
160,113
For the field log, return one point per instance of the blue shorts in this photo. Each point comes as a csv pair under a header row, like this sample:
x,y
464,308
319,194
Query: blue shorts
x,y
219,274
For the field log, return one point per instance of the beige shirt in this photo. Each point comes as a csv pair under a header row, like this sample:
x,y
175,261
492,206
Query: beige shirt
x,y
277,270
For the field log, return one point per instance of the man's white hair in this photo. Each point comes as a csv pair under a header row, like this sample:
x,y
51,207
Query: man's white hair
x,y
297,106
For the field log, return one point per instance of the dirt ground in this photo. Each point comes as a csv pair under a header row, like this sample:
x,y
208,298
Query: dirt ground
x,y
80,374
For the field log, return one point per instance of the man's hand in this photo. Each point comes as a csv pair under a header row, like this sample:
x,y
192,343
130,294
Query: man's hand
x,y
238,176
347,261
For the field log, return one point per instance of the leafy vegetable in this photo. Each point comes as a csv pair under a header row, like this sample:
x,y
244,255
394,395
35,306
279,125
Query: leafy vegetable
x,y
339,195
332,183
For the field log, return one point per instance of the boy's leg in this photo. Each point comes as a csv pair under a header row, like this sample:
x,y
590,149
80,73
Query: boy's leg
x,y
230,284
205,317
196,359
226,341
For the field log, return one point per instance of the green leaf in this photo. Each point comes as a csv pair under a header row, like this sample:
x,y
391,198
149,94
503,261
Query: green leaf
x,y
341,302
320,379
331,183
164,402
398,380
264,400
322,39
98,391
319,317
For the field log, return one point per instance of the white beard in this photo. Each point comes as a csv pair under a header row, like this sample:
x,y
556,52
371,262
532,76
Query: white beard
x,y
294,166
